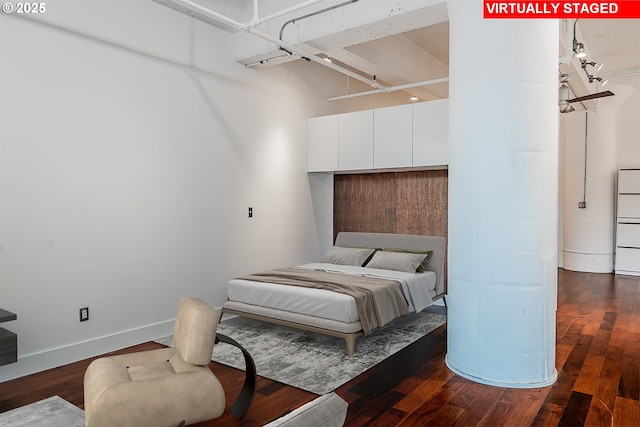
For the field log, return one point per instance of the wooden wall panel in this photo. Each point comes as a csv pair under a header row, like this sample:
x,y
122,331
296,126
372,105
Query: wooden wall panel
x,y
421,203
365,202
393,202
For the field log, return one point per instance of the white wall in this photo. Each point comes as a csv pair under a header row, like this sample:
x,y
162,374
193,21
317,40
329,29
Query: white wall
x,y
628,135
131,146
612,143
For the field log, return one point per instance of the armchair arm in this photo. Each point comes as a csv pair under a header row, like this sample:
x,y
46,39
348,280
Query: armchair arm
x,y
242,403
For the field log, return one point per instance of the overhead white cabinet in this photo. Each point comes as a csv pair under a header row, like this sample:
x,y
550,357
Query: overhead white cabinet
x,y
404,136
393,137
431,133
628,223
322,142
355,140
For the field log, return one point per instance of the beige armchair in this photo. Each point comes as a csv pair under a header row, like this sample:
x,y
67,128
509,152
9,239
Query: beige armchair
x,y
161,387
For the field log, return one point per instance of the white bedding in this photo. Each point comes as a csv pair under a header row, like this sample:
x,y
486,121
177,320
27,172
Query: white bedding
x,y
418,288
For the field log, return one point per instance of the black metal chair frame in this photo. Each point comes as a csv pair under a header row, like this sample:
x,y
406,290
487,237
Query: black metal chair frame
x,y
245,398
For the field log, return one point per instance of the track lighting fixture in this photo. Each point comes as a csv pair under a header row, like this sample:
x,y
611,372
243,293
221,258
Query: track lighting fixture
x,y
595,65
590,76
563,95
599,79
578,48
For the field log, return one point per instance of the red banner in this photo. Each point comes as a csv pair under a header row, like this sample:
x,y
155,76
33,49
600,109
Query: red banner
x,y
562,9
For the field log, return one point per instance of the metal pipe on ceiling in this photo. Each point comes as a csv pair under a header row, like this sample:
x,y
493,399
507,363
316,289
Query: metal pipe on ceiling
x,y
391,88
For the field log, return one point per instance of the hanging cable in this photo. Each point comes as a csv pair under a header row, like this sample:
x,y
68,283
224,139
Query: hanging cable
x,y
583,204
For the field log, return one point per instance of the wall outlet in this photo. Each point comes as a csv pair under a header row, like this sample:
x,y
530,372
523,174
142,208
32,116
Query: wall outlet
x,y
84,314
582,205
250,212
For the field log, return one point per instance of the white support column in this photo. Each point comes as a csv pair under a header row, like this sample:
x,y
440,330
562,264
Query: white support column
x,y
503,197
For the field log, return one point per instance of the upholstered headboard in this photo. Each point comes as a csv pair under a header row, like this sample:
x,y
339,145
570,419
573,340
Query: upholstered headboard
x,y
407,242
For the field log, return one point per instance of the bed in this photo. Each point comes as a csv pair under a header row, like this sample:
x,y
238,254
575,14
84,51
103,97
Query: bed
x,y
411,265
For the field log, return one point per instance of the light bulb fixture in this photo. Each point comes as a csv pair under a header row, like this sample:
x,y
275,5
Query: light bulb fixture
x,y
578,48
563,97
590,76
414,98
595,65
602,81
566,107
326,58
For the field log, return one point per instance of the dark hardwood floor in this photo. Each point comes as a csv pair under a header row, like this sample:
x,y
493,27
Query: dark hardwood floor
x,y
597,357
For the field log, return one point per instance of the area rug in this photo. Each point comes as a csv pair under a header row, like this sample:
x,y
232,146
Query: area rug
x,y
51,412
314,362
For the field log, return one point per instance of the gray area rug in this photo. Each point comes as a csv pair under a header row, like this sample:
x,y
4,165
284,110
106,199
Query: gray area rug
x,y
51,412
314,362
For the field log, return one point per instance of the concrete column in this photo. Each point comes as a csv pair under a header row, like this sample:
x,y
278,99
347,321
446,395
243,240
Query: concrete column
x,y
503,197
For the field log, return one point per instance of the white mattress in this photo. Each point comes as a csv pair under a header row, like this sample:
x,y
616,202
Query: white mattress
x,y
419,289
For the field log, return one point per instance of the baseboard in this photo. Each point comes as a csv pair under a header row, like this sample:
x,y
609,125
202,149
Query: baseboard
x,y
587,262
52,358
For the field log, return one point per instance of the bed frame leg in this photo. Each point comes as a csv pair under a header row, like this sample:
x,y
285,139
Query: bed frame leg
x,y
351,344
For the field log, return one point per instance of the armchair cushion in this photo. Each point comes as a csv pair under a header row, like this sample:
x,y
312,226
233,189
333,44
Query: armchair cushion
x,y
194,332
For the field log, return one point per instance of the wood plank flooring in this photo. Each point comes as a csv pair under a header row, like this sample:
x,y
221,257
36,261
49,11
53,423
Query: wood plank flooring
x,y
597,357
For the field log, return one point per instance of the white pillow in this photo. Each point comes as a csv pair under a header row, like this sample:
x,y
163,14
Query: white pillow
x,y
347,256
398,261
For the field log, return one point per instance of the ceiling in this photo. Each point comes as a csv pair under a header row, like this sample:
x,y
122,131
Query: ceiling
x,y
413,56
422,54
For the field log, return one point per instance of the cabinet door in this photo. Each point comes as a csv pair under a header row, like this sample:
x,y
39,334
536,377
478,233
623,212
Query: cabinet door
x,y
629,181
356,140
628,235
322,144
629,206
628,259
393,137
431,133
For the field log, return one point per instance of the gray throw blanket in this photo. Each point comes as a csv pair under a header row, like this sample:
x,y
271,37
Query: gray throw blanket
x,y
378,301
